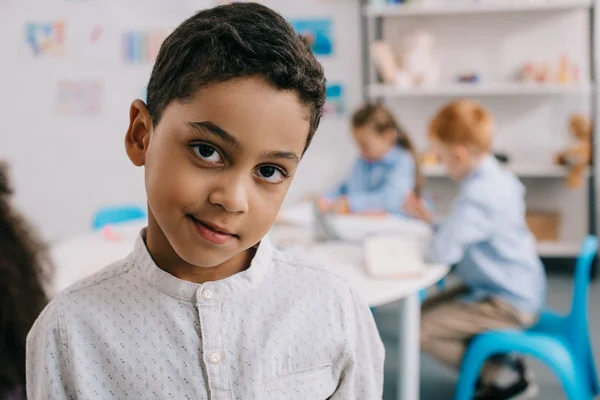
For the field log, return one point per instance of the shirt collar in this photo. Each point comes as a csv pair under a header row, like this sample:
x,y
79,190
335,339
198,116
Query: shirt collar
x,y
190,291
487,165
390,158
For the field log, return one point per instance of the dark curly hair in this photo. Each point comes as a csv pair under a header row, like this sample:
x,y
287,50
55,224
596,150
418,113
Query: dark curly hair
x,y
24,266
233,41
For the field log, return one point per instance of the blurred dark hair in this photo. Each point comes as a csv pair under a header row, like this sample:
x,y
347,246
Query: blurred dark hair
x,y
24,266
381,119
233,41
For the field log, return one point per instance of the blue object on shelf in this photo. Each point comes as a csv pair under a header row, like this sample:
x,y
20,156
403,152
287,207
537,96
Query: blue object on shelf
x,y
560,341
117,215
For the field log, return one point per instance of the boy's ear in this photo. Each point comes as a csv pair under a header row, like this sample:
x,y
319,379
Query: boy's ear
x,y
138,133
462,152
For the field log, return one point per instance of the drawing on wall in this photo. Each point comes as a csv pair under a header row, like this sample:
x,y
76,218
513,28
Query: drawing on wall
x,y
92,42
335,104
79,97
46,38
141,47
318,34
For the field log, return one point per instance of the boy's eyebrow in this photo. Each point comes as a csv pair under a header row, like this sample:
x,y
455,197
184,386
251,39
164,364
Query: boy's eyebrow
x,y
288,155
207,126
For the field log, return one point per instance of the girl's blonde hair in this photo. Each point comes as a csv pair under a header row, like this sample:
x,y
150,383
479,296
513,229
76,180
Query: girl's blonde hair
x,y
380,118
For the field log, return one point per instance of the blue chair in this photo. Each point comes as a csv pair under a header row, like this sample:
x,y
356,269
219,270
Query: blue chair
x,y
117,215
561,342
441,285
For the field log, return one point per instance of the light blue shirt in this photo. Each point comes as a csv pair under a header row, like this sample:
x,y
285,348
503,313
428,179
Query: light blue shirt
x,y
487,236
380,185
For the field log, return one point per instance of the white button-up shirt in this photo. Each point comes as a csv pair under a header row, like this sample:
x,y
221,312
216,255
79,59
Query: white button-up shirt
x,y
282,329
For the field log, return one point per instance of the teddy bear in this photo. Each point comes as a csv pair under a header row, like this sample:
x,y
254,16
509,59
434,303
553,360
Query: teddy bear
x,y
579,154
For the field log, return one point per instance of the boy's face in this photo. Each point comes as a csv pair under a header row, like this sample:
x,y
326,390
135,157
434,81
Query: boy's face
x,y
455,158
218,167
372,144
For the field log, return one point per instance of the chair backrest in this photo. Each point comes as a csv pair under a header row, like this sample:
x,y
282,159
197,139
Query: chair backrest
x,y
117,215
578,317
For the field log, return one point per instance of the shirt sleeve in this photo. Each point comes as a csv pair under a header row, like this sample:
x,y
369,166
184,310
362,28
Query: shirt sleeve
x,y
468,223
398,183
47,364
340,190
362,371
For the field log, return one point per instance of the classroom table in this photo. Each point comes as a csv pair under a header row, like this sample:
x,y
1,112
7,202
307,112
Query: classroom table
x,y
80,256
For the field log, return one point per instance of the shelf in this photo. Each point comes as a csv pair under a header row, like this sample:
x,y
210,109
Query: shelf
x,y
473,7
521,170
481,89
558,249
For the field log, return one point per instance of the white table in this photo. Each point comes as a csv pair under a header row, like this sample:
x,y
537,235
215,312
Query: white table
x,y
81,256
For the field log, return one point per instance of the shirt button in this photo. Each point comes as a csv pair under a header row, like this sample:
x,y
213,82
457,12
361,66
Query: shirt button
x,y
215,357
208,294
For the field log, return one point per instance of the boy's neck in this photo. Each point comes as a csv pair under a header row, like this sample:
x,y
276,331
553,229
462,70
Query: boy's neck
x,y
473,164
169,261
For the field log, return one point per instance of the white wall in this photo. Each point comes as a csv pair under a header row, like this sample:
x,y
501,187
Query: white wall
x,y
65,167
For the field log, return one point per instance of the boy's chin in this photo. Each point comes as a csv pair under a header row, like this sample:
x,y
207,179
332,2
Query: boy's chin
x,y
209,258
204,261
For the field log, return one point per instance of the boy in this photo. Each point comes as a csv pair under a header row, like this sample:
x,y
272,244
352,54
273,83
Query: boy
x,y
204,307
486,236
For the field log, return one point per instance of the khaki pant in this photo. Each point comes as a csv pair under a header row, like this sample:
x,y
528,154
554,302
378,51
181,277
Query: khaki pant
x,y
447,325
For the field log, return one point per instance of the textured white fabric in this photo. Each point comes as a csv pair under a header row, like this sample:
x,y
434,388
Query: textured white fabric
x,y
282,329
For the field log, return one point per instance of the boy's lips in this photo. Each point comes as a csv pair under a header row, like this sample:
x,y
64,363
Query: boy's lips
x,y
212,232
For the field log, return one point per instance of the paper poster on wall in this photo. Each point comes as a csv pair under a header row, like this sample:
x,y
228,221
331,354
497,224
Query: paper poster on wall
x,y
46,38
92,43
141,47
335,103
318,33
79,97
92,34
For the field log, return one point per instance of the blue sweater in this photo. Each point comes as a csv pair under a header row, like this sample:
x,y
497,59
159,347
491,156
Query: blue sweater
x,y
379,186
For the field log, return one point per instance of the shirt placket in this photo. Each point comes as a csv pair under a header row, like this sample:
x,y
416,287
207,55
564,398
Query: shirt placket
x,y
214,357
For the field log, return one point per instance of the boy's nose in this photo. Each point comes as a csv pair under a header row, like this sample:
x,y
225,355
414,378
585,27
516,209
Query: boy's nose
x,y
231,194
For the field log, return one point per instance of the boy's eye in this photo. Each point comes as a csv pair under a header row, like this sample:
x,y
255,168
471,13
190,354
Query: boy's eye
x,y
207,153
270,173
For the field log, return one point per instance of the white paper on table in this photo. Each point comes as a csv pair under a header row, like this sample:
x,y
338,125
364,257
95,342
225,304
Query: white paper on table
x,y
394,255
301,214
359,227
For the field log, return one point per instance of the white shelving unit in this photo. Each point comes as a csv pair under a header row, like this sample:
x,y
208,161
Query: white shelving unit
x,y
468,7
374,16
558,249
479,89
521,170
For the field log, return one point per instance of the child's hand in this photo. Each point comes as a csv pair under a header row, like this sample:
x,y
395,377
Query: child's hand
x,y
324,204
340,206
415,207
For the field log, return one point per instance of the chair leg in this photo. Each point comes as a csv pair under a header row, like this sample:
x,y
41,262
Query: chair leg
x,y
469,372
592,372
560,361
574,386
